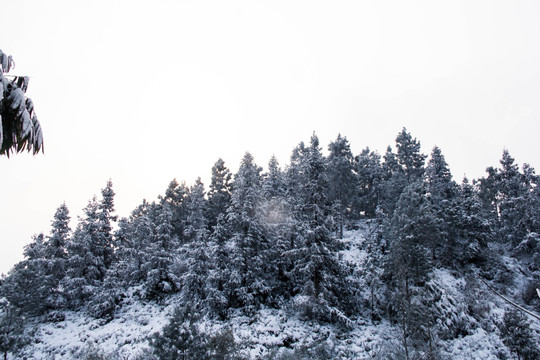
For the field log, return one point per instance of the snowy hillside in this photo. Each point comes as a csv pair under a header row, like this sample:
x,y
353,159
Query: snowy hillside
x,y
334,257
271,333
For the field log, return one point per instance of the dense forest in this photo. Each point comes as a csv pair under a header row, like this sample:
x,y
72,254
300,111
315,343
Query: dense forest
x,y
281,239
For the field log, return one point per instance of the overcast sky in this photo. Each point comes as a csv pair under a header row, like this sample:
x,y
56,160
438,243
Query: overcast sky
x,y
144,92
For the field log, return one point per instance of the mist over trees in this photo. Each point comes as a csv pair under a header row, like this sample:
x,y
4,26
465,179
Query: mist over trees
x,y
274,239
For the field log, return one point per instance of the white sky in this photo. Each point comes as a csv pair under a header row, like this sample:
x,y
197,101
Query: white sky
x,y
144,92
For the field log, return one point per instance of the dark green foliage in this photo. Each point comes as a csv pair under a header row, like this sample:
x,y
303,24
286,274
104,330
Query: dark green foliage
x,y
182,339
369,173
248,282
518,336
409,156
12,337
219,195
27,284
413,232
162,251
317,275
341,181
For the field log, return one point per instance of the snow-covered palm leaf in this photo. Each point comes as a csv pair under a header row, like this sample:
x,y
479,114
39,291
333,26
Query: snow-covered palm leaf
x,y
19,128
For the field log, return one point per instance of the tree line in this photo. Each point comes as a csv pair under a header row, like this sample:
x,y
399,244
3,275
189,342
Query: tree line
x,y
269,238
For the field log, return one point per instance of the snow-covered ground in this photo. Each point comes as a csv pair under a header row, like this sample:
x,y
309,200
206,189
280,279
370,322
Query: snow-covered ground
x,y
274,331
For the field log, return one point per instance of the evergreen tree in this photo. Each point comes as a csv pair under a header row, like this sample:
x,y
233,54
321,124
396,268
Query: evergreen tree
x,y
369,173
317,274
197,260
341,181
219,195
276,212
473,226
518,336
409,156
105,223
133,239
181,338
442,193
273,185
56,255
86,268
248,284
12,337
392,184
161,276
27,284
90,252
412,229
175,200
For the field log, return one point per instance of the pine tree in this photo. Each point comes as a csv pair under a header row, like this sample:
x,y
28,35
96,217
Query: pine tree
x,y
161,276
181,338
393,182
519,338
442,194
219,195
12,336
56,255
277,219
196,251
248,284
409,156
175,200
341,181
132,242
27,284
91,250
317,274
105,223
369,174
473,226
86,268
412,229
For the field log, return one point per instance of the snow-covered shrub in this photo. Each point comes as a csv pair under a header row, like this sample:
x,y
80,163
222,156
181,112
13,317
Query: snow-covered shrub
x,y
445,293
518,336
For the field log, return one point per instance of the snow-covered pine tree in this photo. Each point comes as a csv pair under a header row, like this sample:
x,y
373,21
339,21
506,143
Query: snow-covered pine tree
x,y
161,275
132,241
105,223
196,258
248,284
413,227
442,193
342,184
174,198
518,336
12,336
392,183
278,222
473,226
27,284
369,174
409,156
90,251
317,274
86,268
56,255
219,195
181,338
